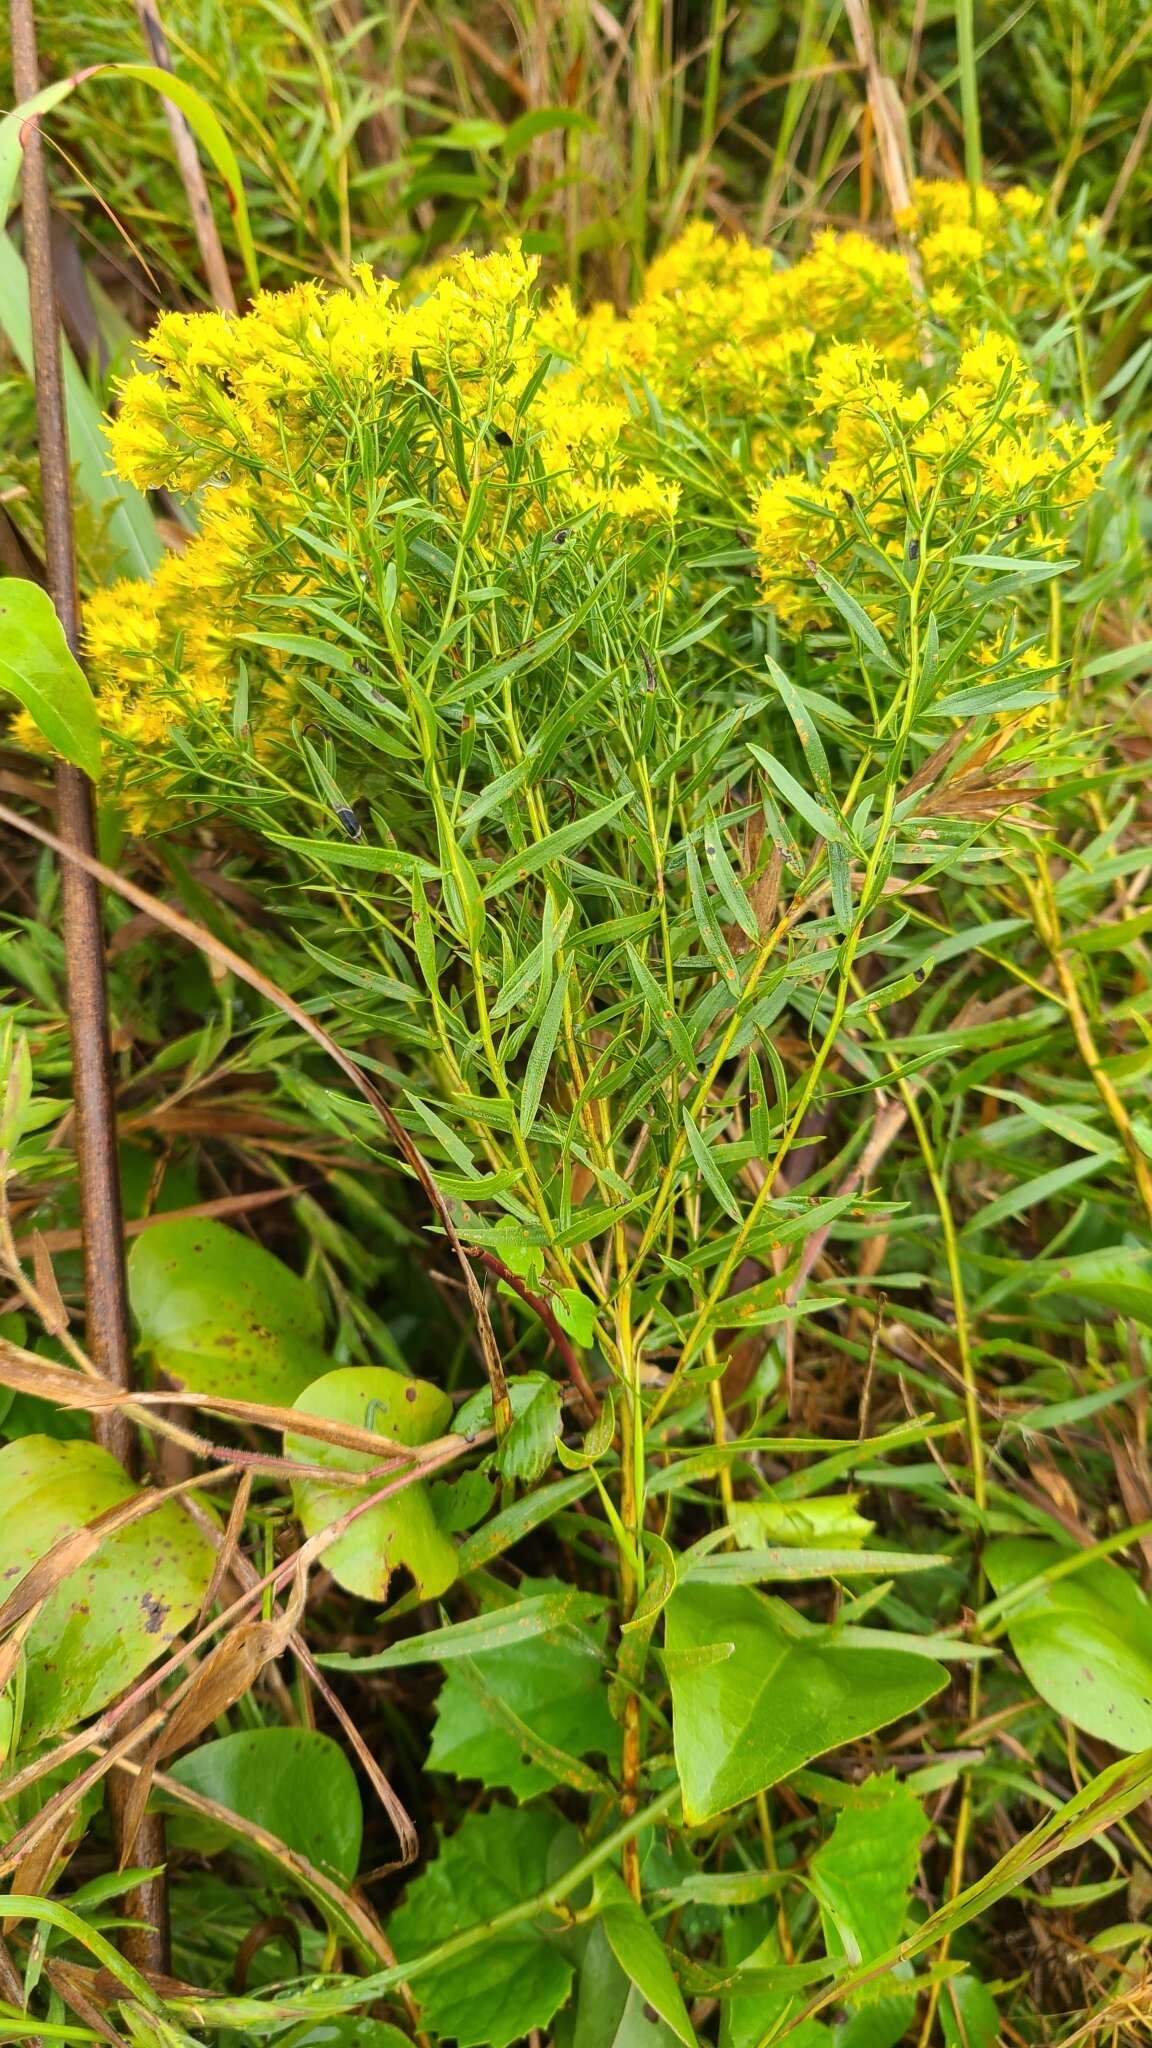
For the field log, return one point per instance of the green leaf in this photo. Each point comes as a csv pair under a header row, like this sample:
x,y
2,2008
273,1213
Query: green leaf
x,y
221,1316
540,1057
122,1607
295,1782
610,2011
853,615
529,1446
553,1682
199,114
771,1702
542,121
541,1615
515,1981
1085,1641
1118,1277
38,668
401,1530
350,2031
817,815
863,1876
826,1518
641,1955
709,1170
560,845
131,539
968,2014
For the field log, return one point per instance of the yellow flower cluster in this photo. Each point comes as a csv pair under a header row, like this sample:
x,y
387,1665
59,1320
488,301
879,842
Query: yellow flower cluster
x,y
721,326
319,402
991,253
897,458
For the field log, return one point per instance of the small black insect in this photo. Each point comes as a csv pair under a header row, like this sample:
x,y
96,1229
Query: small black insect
x,y
649,669
913,551
350,821
501,439
360,668
560,535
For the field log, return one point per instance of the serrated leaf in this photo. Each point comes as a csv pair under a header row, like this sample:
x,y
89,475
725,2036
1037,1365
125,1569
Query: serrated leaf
x,y
553,1682
518,1978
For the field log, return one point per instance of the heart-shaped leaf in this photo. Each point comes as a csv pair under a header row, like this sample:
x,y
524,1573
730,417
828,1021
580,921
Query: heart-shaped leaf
x,y
220,1315
752,1702
121,1607
1085,1641
295,1782
402,1530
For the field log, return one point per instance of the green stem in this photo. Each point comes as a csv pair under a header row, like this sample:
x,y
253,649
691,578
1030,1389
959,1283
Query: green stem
x,y
969,101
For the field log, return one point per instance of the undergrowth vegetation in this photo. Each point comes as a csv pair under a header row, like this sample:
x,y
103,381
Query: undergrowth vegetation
x,y
616,682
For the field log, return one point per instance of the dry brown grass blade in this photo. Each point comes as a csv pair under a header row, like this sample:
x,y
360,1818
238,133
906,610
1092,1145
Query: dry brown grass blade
x,y
67,1982
191,169
246,1575
885,105
224,1205
132,1702
27,1373
224,956
227,1673
73,1549
227,1546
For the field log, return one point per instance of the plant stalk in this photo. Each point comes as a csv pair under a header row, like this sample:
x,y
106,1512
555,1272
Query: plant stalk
x,y
105,1287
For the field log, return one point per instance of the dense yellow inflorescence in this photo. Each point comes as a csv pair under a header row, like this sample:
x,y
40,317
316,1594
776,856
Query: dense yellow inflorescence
x,y
850,393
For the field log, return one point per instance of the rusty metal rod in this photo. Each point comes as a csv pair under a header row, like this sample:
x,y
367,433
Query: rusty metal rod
x,y
107,1323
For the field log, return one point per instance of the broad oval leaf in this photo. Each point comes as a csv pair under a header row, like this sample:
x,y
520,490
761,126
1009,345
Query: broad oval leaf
x,y
1085,1641
751,1703
401,1530
121,1607
221,1316
295,1782
39,669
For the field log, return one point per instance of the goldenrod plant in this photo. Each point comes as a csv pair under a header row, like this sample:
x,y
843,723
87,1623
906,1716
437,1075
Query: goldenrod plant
x,y
622,807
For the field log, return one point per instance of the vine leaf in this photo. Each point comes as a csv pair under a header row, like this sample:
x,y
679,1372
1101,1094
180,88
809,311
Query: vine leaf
x,y
554,1683
402,1530
105,1622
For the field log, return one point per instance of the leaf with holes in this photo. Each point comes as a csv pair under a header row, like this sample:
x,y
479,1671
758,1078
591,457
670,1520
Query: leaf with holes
x,y
399,1531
